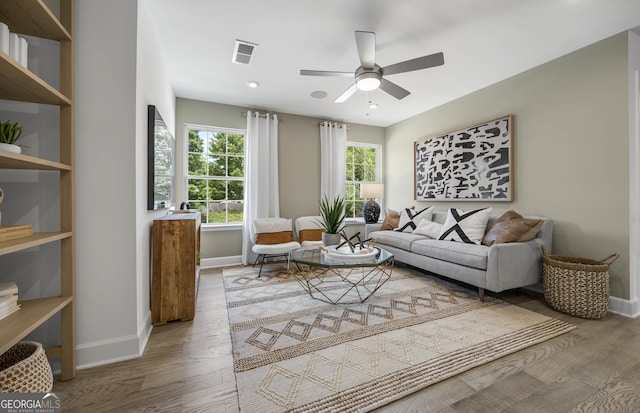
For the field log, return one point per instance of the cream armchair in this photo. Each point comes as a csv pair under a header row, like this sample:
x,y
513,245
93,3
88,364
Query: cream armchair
x,y
273,237
309,230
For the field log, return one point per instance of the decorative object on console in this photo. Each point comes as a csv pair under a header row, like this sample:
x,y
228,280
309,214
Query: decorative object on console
x,y
10,132
473,163
371,209
410,218
333,215
465,226
512,227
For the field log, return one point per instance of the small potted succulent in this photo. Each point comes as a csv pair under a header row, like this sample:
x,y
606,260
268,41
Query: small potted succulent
x,y
333,215
9,134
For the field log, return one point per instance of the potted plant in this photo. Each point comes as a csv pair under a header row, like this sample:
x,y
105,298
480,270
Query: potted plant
x,y
9,134
333,215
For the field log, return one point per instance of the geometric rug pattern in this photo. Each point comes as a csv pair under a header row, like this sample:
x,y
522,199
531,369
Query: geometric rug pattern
x,y
294,353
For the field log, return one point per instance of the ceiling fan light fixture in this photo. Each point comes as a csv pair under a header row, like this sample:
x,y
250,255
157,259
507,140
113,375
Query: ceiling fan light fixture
x,y
368,81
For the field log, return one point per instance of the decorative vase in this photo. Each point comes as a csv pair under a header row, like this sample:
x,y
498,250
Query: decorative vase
x,y
330,239
9,147
371,212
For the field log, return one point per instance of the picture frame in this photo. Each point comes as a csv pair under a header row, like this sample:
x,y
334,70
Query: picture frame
x,y
470,164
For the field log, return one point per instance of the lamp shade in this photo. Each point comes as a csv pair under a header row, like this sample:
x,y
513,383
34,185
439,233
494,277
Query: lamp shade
x,y
375,191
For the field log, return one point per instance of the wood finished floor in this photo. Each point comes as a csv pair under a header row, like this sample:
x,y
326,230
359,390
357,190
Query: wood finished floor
x,y
188,367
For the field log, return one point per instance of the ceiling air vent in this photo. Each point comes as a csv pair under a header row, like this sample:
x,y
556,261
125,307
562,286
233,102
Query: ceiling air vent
x,y
243,51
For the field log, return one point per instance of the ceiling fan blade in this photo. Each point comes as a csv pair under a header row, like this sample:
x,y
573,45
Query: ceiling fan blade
x,y
393,89
366,43
325,73
346,94
423,62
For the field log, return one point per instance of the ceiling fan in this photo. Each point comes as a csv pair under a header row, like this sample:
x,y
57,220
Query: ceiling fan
x,y
369,76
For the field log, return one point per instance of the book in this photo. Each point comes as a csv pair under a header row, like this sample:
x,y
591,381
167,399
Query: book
x,y
8,300
8,312
8,288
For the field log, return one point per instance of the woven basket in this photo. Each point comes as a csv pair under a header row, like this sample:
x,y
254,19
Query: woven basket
x,y
24,368
577,286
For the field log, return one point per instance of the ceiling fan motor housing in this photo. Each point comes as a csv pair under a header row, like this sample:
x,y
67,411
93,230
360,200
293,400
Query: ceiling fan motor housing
x,y
368,79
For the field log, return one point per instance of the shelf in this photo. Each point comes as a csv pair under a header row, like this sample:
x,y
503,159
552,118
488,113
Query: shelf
x,y
32,17
10,160
18,83
40,238
31,314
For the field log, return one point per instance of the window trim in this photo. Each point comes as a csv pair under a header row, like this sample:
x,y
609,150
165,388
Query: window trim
x,y
209,226
378,148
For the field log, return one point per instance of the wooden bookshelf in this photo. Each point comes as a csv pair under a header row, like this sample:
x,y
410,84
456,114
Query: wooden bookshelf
x,y
17,83
31,314
10,160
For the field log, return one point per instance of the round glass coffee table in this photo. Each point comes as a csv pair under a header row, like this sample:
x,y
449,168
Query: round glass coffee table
x,y
334,281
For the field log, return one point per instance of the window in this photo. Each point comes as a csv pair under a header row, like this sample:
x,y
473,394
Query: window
x,y
215,173
363,165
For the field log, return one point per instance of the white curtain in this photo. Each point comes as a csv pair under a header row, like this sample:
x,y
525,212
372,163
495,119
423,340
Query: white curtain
x,y
261,194
333,147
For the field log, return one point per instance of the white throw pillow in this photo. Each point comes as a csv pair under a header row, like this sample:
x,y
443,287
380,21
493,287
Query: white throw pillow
x,y
428,228
410,218
465,226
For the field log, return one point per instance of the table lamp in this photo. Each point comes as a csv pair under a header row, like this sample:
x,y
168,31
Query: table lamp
x,y
371,210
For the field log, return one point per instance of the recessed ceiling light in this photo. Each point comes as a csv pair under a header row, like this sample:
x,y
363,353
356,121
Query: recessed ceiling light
x,y
373,105
319,94
253,84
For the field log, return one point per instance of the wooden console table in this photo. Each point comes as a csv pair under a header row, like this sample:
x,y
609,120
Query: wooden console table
x,y
175,267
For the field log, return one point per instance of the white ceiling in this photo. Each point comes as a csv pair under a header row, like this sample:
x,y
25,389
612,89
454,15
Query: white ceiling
x,y
483,42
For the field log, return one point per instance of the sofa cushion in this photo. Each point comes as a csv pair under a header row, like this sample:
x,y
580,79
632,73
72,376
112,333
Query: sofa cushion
x,y
465,226
410,218
402,240
469,255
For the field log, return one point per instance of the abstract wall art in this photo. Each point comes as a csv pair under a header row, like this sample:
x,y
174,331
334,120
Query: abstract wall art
x,y
470,164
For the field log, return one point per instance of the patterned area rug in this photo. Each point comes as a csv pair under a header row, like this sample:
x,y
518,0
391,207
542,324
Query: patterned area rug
x,y
294,353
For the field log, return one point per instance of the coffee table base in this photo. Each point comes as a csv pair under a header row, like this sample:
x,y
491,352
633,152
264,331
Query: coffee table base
x,y
344,285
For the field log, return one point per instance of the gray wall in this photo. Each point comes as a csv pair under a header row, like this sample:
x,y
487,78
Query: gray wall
x,y
299,161
571,149
118,72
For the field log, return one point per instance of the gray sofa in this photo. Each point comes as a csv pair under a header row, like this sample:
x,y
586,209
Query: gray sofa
x,y
496,268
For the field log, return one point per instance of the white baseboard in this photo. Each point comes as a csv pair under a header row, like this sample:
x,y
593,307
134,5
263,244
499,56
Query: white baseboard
x,y
627,308
221,261
100,353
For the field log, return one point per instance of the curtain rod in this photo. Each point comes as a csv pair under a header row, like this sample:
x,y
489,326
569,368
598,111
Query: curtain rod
x,y
262,115
334,124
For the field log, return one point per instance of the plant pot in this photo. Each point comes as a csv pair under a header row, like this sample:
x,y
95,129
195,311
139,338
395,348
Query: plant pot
x,y
331,239
9,147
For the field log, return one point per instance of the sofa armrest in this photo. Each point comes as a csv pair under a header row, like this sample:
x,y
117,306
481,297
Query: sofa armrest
x,y
514,265
369,228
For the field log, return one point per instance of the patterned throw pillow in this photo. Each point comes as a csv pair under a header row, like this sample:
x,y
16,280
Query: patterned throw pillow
x,y
465,226
410,218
